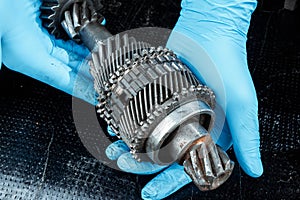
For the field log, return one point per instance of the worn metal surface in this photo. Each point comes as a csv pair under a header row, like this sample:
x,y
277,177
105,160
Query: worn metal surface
x,y
41,155
145,94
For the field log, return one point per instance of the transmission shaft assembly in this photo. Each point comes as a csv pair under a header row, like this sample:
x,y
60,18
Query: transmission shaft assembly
x,y
147,96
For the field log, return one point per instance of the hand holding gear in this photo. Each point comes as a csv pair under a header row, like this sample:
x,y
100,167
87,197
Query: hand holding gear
x,y
220,30
28,48
217,30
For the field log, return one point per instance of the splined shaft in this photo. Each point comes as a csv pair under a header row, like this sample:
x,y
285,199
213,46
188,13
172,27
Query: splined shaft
x,y
148,97
207,164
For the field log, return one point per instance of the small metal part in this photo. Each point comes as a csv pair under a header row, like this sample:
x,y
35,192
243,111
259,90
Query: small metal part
x,y
207,164
149,98
82,12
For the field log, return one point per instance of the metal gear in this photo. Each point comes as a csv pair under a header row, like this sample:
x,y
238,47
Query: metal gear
x,y
53,13
129,75
155,70
148,97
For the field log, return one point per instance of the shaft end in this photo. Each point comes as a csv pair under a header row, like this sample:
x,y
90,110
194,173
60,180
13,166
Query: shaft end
x,y
207,164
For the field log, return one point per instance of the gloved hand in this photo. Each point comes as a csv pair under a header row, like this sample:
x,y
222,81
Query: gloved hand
x,y
26,47
210,37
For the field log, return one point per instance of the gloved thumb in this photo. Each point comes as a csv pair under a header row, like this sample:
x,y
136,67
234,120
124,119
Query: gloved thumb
x,y
243,123
166,183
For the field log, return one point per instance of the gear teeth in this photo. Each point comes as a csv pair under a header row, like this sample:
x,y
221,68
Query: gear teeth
x,y
50,16
53,11
145,83
141,84
109,61
208,165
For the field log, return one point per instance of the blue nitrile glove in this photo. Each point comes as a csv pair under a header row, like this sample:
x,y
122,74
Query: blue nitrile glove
x,y
215,30
28,48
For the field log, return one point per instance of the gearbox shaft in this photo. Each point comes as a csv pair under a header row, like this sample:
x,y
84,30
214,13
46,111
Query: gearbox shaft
x,y
148,97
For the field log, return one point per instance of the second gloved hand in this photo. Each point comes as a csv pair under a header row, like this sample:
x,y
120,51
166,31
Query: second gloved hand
x,y
210,37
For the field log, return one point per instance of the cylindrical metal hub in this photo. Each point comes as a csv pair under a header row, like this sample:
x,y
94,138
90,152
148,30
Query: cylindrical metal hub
x,y
174,135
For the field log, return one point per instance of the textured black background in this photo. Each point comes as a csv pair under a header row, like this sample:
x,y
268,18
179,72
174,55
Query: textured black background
x,y
41,155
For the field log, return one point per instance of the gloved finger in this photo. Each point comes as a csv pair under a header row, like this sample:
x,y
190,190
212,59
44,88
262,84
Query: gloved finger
x,y
243,123
128,164
242,106
77,63
27,49
103,23
71,46
73,55
50,71
166,183
110,131
80,87
69,52
221,63
116,149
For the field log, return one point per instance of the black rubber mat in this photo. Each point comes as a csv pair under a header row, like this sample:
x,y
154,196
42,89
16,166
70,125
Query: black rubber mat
x,y
42,157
